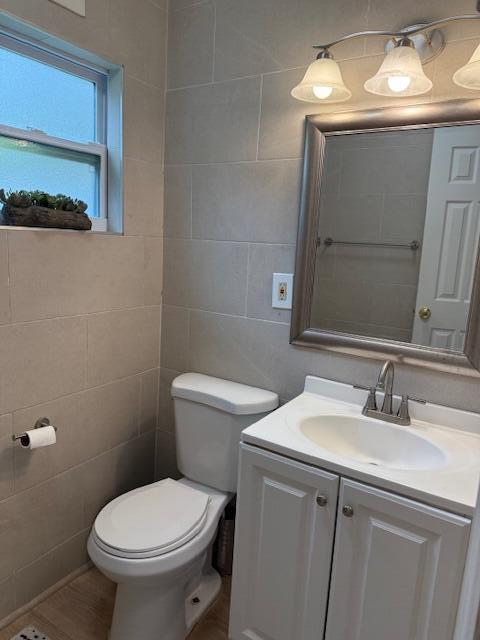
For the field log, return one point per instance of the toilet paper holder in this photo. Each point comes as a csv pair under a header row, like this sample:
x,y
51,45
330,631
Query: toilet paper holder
x,y
41,422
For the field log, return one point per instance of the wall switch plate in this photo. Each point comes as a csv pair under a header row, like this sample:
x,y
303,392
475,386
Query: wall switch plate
x,y
282,290
77,6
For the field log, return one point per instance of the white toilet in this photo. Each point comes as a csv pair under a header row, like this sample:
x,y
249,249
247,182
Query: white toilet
x,y
155,542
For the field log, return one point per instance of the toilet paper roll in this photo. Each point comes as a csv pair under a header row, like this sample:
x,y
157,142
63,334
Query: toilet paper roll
x,y
36,438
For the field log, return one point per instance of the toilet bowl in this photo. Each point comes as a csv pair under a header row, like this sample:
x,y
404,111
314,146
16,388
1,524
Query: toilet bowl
x,y
156,542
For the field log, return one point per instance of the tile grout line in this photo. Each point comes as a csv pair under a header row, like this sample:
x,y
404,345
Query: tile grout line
x,y
214,52
259,116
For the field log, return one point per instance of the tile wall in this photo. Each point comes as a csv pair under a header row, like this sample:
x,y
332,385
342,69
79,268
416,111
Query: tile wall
x,y
80,325
233,158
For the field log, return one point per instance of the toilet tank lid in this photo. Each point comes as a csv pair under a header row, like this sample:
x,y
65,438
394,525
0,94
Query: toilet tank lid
x,y
232,397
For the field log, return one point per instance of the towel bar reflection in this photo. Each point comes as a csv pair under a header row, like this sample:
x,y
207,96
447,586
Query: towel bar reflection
x,y
328,242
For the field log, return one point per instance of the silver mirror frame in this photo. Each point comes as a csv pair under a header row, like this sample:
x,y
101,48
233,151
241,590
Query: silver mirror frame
x,y
318,129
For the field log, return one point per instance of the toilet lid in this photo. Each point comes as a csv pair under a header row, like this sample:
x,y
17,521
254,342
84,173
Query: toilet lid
x,y
154,519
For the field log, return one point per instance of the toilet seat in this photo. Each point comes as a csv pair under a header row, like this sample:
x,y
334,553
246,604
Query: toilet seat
x,y
151,521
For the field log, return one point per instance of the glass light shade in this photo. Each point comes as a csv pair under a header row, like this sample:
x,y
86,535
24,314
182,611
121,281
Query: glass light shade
x,y
468,76
323,82
401,74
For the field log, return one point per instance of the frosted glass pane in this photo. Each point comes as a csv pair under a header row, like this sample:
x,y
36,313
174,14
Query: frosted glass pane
x,y
32,166
34,95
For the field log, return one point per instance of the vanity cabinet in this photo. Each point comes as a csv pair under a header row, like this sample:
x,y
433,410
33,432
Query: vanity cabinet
x,y
397,568
384,566
285,528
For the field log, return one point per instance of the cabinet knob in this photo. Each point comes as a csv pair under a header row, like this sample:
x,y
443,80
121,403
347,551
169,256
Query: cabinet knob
x,y
322,501
347,511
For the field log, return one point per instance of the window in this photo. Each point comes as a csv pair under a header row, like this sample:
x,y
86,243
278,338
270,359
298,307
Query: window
x,y
53,125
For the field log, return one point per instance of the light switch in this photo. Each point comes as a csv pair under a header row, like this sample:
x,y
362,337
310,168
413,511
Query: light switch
x,y
282,290
77,6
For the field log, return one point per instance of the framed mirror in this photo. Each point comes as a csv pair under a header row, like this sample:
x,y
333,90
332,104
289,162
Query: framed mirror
x,y
387,252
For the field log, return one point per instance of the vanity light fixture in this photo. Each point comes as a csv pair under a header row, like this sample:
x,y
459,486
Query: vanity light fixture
x,y
401,73
323,81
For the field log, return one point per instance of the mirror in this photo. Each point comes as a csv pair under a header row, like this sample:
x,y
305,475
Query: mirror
x,y
389,235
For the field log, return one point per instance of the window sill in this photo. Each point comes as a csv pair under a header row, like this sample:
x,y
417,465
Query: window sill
x,y
93,231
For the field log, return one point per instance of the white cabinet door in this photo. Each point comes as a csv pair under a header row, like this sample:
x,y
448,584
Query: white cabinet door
x,y
283,548
397,568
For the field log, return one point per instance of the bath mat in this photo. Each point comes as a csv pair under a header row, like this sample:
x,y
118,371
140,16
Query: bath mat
x,y
30,633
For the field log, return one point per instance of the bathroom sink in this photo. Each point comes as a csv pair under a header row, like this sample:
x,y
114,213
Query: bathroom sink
x,y
372,442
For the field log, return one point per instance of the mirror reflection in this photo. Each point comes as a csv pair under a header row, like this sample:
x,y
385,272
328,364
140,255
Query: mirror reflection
x,y
398,233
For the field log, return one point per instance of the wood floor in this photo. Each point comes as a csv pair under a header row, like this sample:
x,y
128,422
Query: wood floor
x,y
82,610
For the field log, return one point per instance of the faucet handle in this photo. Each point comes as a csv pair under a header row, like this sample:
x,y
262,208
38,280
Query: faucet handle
x,y
371,403
403,411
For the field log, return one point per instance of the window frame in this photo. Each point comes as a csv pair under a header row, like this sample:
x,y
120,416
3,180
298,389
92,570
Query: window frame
x,y
93,73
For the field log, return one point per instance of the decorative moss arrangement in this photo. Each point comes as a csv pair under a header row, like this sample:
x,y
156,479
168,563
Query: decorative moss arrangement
x,y
40,209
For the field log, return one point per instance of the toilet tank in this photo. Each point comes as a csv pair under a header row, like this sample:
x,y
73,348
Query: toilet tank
x,y
210,414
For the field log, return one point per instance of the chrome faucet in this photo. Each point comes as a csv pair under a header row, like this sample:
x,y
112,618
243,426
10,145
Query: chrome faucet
x,y
385,384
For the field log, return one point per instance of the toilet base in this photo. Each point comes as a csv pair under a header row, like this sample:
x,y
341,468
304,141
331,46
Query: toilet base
x,y
206,593
151,614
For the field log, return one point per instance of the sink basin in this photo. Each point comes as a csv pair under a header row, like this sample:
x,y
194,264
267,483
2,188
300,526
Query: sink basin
x,y
373,442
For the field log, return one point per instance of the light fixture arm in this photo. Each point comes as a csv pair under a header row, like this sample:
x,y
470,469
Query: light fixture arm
x,y
409,31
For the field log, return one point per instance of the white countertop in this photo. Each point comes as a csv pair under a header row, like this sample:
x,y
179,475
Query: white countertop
x,y
452,487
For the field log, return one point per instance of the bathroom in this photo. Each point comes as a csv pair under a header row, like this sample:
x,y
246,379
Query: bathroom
x,y
199,179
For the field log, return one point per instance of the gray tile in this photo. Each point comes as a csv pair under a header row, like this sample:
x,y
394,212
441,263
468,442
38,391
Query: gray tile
x,y
6,457
41,360
206,275
257,352
51,568
53,509
166,458
74,440
282,130
191,33
8,535
88,424
143,214
89,273
264,261
137,32
143,121
166,419
122,343
7,597
350,218
396,170
122,469
178,202
5,314
258,202
214,123
153,271
404,218
374,264
257,36
395,306
149,400
175,338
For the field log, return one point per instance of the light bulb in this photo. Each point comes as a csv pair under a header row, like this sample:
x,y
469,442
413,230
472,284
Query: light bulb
x,y
399,83
322,93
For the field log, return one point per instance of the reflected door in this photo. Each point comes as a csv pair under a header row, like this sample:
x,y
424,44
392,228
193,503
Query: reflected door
x,y
451,236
